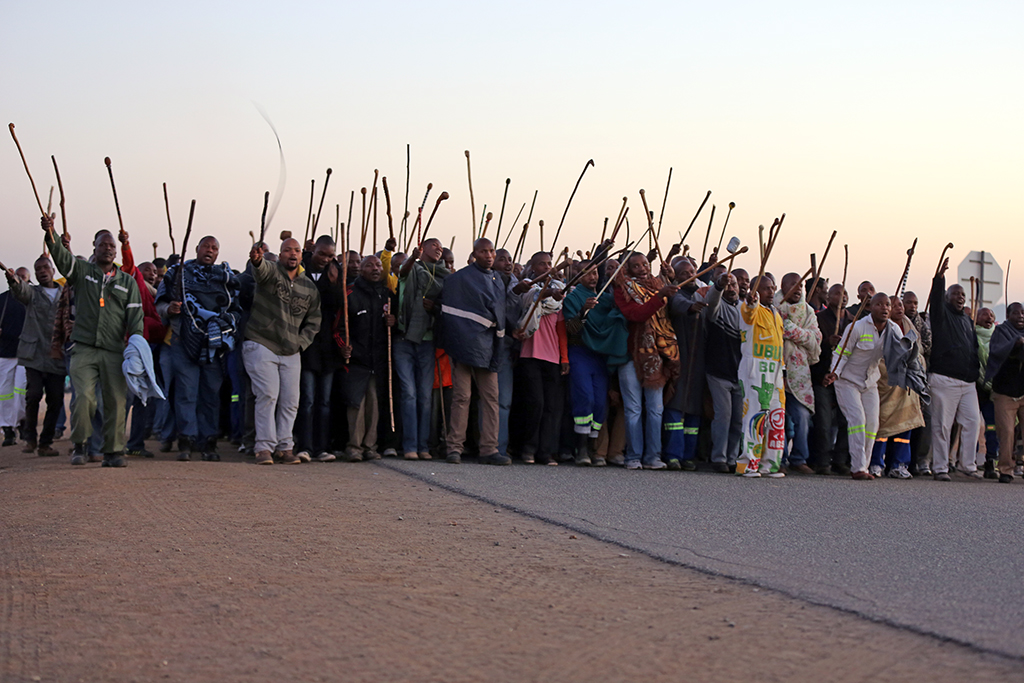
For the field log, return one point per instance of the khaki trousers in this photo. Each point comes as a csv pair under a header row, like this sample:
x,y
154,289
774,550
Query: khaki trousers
x,y
92,366
463,377
1007,411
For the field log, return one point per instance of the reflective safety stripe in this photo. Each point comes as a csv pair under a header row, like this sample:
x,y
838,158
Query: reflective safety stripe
x,y
856,429
585,420
883,439
133,306
897,440
234,398
469,315
691,430
19,390
673,426
871,435
596,426
6,397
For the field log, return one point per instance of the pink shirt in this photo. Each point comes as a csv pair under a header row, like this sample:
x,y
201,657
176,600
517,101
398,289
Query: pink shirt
x,y
543,345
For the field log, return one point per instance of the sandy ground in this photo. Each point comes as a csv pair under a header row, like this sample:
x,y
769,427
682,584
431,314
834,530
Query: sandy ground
x,y
326,572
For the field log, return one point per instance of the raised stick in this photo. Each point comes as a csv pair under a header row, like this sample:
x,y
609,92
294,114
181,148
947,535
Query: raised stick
x,y
974,303
408,164
387,202
472,204
344,277
604,229
622,212
170,229
821,266
60,188
337,221
373,203
849,330
320,208
263,219
483,233
564,213
650,225
110,172
49,201
309,214
529,217
184,248
846,263
348,226
480,229
1006,288
699,208
624,218
497,234
732,205
540,224
664,201
727,259
252,236
391,390
906,269
29,173
521,244
707,235
155,247
362,237
800,281
942,257
419,221
441,198
512,229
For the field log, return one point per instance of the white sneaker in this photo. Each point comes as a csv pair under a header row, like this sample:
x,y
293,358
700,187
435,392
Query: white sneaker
x,y
751,474
775,475
876,471
633,465
325,457
656,465
390,453
900,472
303,456
1018,471
974,474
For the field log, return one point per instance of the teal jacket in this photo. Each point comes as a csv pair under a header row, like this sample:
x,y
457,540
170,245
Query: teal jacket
x,y
605,331
107,310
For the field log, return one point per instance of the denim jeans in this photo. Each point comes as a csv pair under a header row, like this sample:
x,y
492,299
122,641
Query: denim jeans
x,y
414,364
505,383
642,442
313,424
196,395
163,421
798,419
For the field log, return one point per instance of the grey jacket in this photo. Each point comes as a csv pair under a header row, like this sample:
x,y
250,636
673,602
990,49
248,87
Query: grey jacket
x,y
41,311
902,362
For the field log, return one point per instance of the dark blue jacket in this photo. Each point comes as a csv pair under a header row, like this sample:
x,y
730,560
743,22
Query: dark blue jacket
x,y
473,317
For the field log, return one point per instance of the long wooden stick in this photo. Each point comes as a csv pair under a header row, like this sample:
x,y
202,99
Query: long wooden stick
x,y
942,257
547,276
728,259
906,269
309,213
522,243
49,201
664,201
362,237
64,218
417,228
170,228
348,225
1006,288
27,172
821,266
444,196
846,263
540,225
800,280
622,212
849,331
387,201
184,248
337,221
320,208
391,390
707,236
682,238
624,218
344,276
263,219
732,205
408,164
564,213
512,229
487,222
650,225
373,203
110,172
501,215
472,203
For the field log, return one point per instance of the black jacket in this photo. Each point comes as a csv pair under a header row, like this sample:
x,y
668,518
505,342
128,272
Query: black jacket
x,y
324,355
368,337
954,343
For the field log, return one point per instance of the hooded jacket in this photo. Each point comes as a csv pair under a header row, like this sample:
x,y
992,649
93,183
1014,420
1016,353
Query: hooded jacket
x,y
41,311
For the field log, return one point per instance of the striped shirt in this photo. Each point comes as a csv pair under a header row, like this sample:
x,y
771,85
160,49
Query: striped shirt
x,y
285,312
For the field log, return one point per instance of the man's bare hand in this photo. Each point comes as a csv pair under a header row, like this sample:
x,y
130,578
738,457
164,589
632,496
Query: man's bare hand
x,y
174,308
256,254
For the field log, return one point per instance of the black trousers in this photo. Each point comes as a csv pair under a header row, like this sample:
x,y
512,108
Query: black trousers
x,y
828,416
52,384
541,383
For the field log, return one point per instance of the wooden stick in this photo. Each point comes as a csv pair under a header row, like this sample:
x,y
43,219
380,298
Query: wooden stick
x,y
707,235
521,244
624,218
391,390
344,275
110,172
309,213
1006,289
419,221
942,257
479,229
444,196
348,227
263,219
184,247
529,218
408,164
373,203
732,205
540,224
664,201
60,188
849,330
387,201
974,303
320,208
512,229
728,259
483,233
170,228
564,213
906,269
547,276
337,221
796,285
699,208
49,202
618,219
472,204
604,230
821,266
846,263
497,234
362,238
29,173
650,225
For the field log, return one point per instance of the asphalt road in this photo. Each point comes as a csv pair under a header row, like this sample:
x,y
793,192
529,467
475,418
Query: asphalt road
x,y
938,558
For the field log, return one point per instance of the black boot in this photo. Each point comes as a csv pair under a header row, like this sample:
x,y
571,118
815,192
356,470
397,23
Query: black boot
x,y
9,439
582,450
184,449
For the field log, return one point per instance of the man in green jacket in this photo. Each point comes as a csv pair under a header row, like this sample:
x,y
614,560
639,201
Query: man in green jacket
x,y
108,309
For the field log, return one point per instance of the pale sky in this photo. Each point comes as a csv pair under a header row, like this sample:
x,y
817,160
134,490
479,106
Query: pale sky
x,y
882,120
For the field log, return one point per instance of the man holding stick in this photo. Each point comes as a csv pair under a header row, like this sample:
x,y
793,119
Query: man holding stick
x,y
830,455
12,377
420,282
45,374
760,372
952,374
108,310
284,320
801,348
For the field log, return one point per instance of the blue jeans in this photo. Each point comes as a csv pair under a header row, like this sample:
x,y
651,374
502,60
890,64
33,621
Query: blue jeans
x,y
505,382
642,442
798,418
163,421
414,364
313,425
196,395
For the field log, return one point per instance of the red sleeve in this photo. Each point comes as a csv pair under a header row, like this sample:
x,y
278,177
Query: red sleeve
x,y
128,259
153,327
634,312
563,341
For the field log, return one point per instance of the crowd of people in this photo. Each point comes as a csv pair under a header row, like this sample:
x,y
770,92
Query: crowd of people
x,y
312,354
